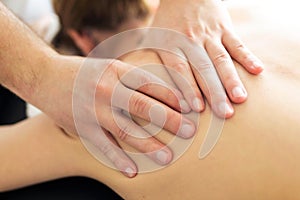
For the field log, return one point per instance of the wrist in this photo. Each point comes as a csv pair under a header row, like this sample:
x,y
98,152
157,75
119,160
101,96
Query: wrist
x,y
54,93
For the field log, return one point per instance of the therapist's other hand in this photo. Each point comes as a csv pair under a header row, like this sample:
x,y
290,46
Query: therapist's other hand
x,y
122,89
207,23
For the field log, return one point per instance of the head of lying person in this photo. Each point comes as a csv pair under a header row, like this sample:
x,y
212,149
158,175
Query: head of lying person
x,y
85,23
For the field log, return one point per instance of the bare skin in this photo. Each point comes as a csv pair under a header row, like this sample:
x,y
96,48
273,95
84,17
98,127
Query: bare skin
x,y
257,156
254,157
46,80
207,23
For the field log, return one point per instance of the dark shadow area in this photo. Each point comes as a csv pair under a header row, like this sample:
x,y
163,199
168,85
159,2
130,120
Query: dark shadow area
x,y
75,188
12,108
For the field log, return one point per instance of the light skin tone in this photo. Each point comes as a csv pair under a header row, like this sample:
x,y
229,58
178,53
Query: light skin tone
x,y
254,158
215,34
207,23
46,80
50,88
220,27
257,156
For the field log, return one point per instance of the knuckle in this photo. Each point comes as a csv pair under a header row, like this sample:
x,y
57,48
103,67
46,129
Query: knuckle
x,y
221,58
103,88
248,56
115,66
173,119
206,66
115,63
174,115
172,97
190,34
217,93
204,69
240,46
232,80
124,132
241,49
229,77
180,67
120,162
171,93
106,148
151,146
140,104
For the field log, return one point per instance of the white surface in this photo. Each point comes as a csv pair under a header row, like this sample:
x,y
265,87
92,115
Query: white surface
x,y
29,10
38,14
32,111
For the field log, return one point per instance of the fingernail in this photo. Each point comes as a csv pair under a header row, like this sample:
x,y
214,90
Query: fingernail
x,y
184,105
257,65
186,130
162,156
129,171
224,108
197,104
238,92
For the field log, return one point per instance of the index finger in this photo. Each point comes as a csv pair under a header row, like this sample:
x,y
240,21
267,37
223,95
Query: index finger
x,y
209,81
147,83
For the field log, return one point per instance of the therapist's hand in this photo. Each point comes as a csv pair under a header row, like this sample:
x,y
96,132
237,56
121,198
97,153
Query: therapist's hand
x,y
42,77
121,89
207,23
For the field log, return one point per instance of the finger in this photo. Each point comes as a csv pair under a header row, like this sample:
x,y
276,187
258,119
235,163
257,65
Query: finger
x,y
134,135
182,75
152,110
111,149
148,83
242,54
208,80
226,71
118,157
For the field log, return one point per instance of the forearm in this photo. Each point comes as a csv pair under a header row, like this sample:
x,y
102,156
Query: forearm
x,y
35,72
24,58
36,151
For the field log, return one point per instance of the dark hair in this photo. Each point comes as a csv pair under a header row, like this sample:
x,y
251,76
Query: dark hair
x,y
94,14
